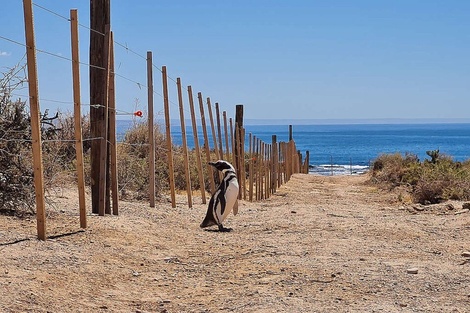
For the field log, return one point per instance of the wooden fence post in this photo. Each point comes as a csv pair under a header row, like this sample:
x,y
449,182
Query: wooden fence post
x,y
281,164
267,170
307,162
171,173
275,164
210,171
259,161
104,130
112,132
185,145
211,120
100,16
151,129
237,165
219,131
250,168
239,122
242,161
35,120
299,162
78,117
227,149
232,141
196,146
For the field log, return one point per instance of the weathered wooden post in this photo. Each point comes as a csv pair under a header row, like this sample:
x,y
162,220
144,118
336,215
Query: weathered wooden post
x,y
307,162
103,200
166,101
151,129
185,145
196,146
219,131
250,168
275,164
206,144
112,134
232,143
35,120
77,113
239,122
100,16
227,149
211,120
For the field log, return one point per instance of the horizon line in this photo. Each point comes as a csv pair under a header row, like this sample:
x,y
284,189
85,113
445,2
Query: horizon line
x,y
340,121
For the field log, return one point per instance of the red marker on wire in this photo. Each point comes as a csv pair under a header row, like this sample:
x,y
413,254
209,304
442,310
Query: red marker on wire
x,y
138,113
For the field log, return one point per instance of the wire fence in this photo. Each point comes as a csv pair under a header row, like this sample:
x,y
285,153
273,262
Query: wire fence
x,y
261,167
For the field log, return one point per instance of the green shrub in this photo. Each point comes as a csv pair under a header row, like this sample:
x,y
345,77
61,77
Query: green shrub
x,y
430,181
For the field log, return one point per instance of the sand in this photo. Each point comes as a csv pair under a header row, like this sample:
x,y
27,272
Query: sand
x,y
320,244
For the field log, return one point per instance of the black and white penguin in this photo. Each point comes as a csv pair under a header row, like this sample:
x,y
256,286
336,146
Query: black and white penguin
x,y
225,198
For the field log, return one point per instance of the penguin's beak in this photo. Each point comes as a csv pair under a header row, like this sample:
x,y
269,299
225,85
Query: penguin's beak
x,y
211,163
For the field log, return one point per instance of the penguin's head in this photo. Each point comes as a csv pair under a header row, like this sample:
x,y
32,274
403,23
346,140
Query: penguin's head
x,y
222,166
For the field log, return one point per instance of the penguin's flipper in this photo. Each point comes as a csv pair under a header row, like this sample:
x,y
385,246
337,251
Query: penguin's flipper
x,y
235,207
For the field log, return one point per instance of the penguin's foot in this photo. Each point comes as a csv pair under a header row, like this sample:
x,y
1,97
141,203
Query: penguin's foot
x,y
223,229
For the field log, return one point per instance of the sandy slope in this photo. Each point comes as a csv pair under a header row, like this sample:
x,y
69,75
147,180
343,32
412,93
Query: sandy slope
x,y
321,244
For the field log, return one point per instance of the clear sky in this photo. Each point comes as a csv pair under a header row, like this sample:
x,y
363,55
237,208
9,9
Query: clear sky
x,y
290,59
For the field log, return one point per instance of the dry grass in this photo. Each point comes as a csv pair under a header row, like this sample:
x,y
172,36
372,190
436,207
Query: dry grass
x,y
427,181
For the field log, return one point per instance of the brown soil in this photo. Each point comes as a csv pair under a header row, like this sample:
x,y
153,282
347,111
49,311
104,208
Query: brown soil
x,y
320,244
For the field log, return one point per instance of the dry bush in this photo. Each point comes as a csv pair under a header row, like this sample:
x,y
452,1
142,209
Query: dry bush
x,y
442,180
430,181
133,162
394,169
16,175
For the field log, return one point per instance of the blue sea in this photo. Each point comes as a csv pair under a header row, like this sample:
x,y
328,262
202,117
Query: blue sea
x,y
351,149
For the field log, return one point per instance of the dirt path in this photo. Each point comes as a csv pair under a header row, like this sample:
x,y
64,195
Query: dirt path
x,y
321,244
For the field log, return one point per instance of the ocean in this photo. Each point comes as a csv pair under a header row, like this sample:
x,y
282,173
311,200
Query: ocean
x,y
351,148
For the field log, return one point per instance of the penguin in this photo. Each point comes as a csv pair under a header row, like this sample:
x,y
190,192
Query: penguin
x,y
225,198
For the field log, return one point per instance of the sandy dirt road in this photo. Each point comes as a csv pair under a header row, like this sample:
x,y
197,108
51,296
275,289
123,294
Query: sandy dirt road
x,y
320,244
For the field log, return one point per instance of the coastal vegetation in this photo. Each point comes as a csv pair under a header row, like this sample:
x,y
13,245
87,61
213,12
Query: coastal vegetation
x,y
432,180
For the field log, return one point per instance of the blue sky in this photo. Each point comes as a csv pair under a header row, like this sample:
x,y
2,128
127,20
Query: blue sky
x,y
282,59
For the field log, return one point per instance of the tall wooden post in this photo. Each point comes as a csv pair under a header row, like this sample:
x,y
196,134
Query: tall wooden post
x,y
307,162
166,103
112,132
239,122
100,16
219,131
151,129
78,117
250,168
227,149
103,201
232,143
185,145
242,161
214,136
258,168
210,172
196,146
35,119
275,165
